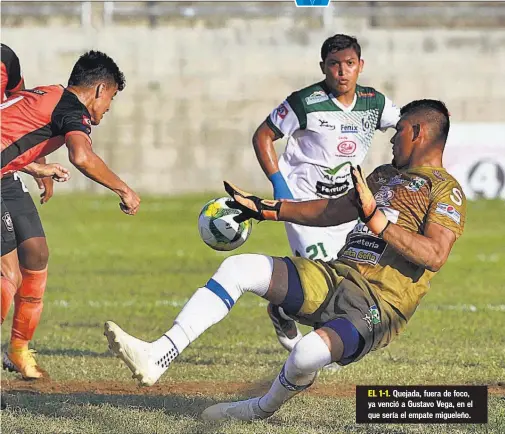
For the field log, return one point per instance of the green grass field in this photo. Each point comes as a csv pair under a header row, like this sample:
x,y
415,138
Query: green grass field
x,y
139,271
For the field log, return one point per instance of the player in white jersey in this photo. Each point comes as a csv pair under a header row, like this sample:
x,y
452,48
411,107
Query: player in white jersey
x,y
329,126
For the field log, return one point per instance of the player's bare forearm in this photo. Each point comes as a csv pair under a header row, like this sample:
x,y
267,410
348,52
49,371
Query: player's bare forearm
x,y
320,213
430,252
93,167
263,143
34,169
81,155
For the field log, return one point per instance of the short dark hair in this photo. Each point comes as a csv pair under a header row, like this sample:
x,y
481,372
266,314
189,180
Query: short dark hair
x,y
95,66
338,43
431,111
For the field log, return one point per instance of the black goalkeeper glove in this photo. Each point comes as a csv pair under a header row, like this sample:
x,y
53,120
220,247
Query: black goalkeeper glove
x,y
251,206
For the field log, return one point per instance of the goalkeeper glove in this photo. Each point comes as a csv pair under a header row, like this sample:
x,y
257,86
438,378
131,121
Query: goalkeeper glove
x,y
366,204
251,206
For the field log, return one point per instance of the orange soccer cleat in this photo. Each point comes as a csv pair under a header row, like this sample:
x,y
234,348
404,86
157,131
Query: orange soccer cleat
x,y
22,361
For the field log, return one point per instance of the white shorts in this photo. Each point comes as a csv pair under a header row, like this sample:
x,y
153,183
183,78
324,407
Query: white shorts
x,y
306,241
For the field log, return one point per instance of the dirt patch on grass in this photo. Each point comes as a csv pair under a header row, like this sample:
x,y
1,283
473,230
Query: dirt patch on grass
x,y
193,388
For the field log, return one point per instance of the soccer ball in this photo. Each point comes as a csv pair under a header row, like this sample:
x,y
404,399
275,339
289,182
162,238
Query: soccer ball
x,y
218,229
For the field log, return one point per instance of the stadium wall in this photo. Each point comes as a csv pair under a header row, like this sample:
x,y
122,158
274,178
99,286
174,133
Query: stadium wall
x,y
194,96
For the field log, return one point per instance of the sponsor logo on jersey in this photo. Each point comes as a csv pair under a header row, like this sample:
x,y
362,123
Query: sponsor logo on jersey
x,y
382,180
416,184
86,121
438,175
332,189
317,96
281,111
347,147
8,221
384,196
363,248
36,91
325,124
396,180
349,129
449,211
366,94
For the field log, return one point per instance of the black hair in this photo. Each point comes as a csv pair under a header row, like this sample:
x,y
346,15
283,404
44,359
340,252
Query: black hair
x,y
95,66
433,112
338,43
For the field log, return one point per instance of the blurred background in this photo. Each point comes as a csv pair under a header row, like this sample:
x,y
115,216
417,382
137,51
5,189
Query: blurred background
x,y
201,76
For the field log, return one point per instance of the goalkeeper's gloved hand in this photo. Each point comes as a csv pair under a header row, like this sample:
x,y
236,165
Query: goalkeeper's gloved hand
x,y
375,219
251,206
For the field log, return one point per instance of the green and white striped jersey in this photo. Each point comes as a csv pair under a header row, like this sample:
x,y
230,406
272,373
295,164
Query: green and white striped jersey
x,y
324,136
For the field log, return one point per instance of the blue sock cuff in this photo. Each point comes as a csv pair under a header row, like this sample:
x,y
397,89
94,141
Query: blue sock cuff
x,y
217,289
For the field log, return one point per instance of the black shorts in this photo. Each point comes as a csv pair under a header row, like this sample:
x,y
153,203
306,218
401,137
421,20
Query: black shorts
x,y
23,212
8,235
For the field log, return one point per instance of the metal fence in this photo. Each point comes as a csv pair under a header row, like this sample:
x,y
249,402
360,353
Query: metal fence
x,y
378,14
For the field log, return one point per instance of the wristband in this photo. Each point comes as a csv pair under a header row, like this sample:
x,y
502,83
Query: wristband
x,y
381,234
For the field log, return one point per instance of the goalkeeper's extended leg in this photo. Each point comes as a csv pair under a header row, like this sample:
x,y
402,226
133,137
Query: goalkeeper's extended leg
x,y
298,373
259,274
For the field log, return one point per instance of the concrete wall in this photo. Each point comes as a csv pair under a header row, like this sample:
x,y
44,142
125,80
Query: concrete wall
x,y
195,95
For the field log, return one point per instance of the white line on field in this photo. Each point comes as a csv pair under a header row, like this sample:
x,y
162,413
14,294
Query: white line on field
x,y
66,304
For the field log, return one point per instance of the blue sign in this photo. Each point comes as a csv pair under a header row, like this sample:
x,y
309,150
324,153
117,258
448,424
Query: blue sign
x,y
312,3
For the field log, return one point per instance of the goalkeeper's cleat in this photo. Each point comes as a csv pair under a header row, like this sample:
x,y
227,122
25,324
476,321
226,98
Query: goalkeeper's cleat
x,y
146,363
22,361
285,328
239,410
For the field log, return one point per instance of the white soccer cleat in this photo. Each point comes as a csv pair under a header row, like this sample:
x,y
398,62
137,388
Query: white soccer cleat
x,y
285,327
239,410
139,356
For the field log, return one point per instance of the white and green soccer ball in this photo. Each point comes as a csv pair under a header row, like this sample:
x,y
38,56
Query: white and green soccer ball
x,y
217,227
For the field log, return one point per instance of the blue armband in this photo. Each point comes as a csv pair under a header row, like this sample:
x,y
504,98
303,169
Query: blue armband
x,y
281,189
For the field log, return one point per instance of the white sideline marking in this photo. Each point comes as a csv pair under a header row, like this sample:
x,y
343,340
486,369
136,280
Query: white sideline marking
x,y
246,303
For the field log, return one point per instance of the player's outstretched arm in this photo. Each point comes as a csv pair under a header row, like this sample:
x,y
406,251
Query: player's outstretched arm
x,y
322,212
430,250
81,155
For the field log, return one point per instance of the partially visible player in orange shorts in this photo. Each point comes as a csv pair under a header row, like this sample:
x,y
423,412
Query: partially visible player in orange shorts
x,y
36,122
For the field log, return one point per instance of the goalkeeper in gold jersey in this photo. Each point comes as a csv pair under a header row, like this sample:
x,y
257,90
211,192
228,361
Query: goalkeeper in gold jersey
x,y
411,213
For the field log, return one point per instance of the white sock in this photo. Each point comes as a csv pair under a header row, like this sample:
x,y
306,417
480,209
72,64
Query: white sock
x,y
211,303
298,373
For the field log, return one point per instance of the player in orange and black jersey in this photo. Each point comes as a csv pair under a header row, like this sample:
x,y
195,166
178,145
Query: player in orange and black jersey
x,y
33,252
36,122
12,78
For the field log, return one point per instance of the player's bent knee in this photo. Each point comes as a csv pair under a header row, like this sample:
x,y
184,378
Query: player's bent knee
x,y
34,253
246,272
310,354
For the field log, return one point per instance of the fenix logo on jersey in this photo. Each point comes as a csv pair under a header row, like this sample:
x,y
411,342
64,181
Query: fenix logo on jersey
x,y
349,129
312,3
